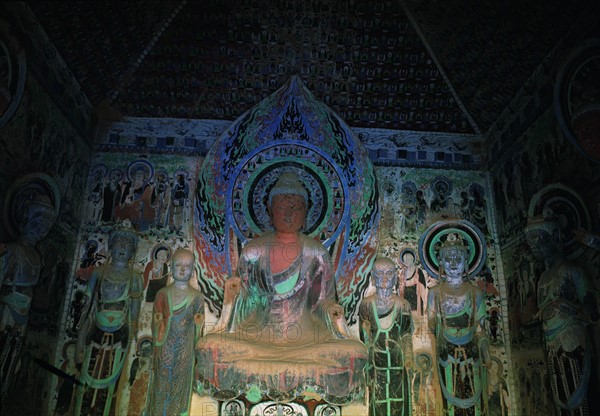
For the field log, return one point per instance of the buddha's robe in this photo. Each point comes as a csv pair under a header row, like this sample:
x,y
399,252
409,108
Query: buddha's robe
x,y
389,338
280,335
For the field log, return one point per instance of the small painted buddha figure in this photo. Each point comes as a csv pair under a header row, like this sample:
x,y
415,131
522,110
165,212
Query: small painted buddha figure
x,y
567,305
112,301
281,327
386,329
20,265
176,327
156,273
456,312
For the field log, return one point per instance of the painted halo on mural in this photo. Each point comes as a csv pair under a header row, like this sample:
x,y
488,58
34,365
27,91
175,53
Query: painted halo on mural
x,y
158,247
142,165
115,174
143,346
98,171
572,214
25,188
436,234
577,98
407,250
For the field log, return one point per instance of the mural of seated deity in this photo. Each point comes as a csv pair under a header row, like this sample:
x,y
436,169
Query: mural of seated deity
x,y
281,329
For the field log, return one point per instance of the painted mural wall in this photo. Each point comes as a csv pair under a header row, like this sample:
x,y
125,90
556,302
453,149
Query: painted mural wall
x,y
413,199
535,166
142,188
40,146
154,194
542,159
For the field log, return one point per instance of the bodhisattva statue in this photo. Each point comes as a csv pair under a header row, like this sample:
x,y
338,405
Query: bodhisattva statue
x,y
20,265
386,329
176,327
281,327
456,312
567,305
113,298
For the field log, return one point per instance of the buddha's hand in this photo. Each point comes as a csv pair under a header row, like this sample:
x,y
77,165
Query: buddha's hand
x,y
334,315
335,311
233,286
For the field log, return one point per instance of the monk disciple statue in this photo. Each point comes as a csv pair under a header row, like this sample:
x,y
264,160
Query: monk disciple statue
x,y
113,298
386,328
176,327
20,265
281,327
456,313
567,305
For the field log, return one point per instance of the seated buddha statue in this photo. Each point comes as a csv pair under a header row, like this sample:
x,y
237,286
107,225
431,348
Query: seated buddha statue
x,y
281,329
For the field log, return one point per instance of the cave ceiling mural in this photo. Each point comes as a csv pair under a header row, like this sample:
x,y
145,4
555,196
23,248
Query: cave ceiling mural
x,y
406,65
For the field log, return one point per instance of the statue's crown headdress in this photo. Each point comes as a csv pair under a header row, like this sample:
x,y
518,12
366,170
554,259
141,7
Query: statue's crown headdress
x,y
546,221
453,241
124,229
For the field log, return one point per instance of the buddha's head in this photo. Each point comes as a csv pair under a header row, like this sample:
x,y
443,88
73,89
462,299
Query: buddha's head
x,y
385,274
543,235
38,217
182,265
288,204
452,258
123,243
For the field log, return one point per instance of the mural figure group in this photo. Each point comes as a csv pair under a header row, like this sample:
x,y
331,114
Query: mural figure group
x,y
146,199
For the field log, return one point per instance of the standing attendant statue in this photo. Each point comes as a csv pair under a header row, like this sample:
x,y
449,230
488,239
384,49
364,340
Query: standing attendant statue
x,y
20,265
112,301
567,305
386,329
456,312
176,327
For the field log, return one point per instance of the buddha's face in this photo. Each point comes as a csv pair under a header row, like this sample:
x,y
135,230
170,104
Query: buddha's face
x,y
453,261
139,178
541,243
37,223
385,275
288,213
122,248
183,266
162,256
